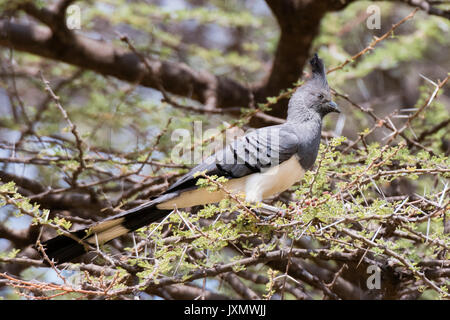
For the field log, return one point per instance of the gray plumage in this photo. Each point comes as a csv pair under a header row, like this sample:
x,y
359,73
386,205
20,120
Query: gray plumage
x,y
270,146
253,152
249,163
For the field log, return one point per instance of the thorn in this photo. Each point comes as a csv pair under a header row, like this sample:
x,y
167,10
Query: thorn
x,y
96,242
433,96
390,135
408,109
340,125
134,244
391,123
429,80
333,224
401,205
428,229
304,230
398,116
378,189
163,220
362,193
376,233
441,200
414,134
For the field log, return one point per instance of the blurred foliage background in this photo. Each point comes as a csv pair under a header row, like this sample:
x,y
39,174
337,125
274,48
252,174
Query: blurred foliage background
x,y
125,129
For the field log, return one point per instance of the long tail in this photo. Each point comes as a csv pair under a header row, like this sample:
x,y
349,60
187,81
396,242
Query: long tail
x,y
63,248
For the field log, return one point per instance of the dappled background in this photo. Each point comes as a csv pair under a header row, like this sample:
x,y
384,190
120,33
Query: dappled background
x,y
86,124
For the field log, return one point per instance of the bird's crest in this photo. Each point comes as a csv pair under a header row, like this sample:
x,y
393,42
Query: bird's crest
x,y
317,66
318,70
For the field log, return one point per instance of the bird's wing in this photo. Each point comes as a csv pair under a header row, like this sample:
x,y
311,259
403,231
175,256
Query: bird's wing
x,y
253,152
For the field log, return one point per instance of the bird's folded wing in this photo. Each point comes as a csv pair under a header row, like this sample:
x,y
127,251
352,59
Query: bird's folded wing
x,y
256,151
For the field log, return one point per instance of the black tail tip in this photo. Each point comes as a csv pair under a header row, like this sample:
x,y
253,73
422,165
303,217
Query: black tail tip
x,y
63,249
317,65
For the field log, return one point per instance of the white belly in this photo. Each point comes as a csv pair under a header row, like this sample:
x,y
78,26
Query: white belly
x,y
254,187
277,179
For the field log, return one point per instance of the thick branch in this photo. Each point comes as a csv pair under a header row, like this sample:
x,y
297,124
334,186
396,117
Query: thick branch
x,y
299,21
176,78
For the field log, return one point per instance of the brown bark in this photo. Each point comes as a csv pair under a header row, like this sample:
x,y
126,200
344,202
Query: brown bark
x,y
176,78
299,22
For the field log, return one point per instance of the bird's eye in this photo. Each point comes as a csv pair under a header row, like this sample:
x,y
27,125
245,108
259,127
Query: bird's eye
x,y
320,96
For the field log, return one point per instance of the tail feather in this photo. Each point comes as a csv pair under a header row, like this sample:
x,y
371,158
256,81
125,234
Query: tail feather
x,y
63,249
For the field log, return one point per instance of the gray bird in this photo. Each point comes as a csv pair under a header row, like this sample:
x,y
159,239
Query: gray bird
x,y
258,165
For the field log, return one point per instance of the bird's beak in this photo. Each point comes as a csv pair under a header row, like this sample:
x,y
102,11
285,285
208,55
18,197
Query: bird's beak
x,y
333,107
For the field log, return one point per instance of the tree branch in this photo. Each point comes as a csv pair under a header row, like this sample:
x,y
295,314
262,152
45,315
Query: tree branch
x,y
427,7
177,78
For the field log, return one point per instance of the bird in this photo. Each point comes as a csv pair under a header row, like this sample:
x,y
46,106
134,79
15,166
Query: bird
x,y
258,165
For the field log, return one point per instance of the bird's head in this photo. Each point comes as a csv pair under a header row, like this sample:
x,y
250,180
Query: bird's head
x,y
314,95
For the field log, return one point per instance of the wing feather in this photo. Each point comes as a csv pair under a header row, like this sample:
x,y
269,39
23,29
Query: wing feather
x,y
256,151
